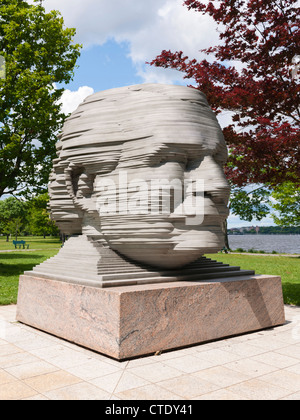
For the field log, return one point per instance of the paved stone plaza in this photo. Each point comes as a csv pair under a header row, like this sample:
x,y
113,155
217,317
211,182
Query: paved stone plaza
x,y
263,365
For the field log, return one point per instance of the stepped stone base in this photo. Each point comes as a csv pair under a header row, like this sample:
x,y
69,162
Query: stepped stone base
x,y
127,322
86,262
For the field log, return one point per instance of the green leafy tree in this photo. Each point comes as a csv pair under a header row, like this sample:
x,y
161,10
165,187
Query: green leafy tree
x,y
12,216
250,204
287,205
38,217
38,51
15,226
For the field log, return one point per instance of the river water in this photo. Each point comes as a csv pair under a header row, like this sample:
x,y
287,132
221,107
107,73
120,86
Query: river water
x,y
289,244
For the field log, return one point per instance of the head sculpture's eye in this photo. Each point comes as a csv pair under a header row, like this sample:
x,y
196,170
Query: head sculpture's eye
x,y
174,156
83,185
193,164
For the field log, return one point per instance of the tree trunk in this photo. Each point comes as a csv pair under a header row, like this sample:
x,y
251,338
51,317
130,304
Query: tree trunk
x,y
225,230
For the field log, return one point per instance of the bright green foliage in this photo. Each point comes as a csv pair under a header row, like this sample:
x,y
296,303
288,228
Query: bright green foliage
x,y
250,205
12,216
38,217
30,217
287,203
38,52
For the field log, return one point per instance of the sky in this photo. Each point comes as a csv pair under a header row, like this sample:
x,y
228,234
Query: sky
x,y
120,36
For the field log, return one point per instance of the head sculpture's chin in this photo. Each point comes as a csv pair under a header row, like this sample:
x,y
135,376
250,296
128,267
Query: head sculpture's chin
x,y
168,260
165,255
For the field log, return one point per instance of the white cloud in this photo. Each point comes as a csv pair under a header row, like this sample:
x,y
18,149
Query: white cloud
x,y
172,27
148,26
98,20
70,100
151,74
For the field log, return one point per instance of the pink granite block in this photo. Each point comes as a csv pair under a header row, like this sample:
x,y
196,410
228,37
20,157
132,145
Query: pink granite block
x,y
73,312
126,322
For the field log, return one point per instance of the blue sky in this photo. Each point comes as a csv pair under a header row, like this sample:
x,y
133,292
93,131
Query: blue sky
x,y
120,36
105,67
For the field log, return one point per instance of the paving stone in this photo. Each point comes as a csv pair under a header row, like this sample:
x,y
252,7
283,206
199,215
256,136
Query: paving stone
x,y
260,368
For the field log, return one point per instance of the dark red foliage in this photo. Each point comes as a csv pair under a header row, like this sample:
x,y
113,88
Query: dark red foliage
x,y
263,96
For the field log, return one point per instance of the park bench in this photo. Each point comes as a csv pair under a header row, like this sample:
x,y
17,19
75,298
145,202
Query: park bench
x,y
20,244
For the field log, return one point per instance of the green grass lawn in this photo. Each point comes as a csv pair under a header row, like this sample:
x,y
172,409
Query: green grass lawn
x,y
288,268
35,242
13,264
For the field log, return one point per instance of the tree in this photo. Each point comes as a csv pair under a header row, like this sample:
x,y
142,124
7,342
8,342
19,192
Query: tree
x,y
287,203
12,216
38,52
262,93
249,204
38,217
32,216
252,204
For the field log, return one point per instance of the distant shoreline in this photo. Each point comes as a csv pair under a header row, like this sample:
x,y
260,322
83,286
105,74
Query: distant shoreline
x,y
264,230
262,234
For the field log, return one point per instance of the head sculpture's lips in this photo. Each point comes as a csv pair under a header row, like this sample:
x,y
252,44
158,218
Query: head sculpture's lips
x,y
121,142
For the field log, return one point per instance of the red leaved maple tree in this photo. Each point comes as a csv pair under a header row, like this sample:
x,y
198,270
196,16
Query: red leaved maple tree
x,y
262,92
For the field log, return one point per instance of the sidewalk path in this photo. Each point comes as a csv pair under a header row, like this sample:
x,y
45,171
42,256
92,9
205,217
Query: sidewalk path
x,y
260,366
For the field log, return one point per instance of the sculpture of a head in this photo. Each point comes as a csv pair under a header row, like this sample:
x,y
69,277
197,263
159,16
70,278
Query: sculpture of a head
x,y
140,169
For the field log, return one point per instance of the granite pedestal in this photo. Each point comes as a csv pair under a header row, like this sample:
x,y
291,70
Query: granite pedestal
x,y
130,321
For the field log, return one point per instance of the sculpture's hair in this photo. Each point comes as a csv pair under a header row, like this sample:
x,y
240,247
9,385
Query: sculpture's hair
x,y
94,137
